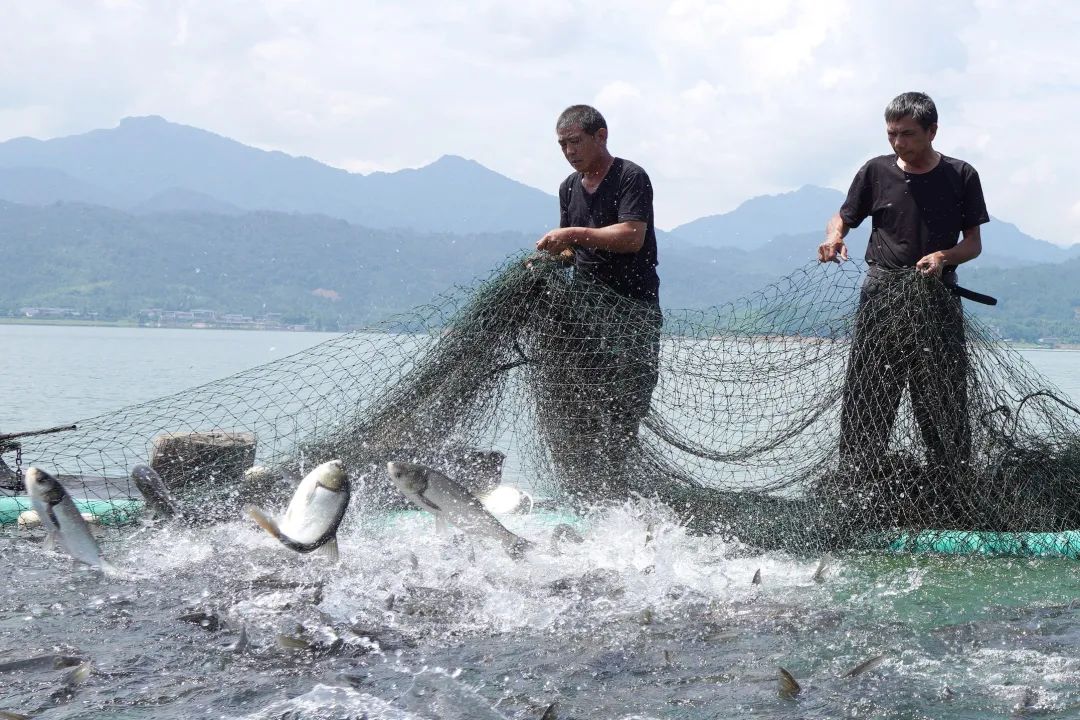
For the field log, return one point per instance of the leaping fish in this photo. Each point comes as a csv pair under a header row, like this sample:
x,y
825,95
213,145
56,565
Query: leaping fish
x,y
63,523
447,500
155,493
314,513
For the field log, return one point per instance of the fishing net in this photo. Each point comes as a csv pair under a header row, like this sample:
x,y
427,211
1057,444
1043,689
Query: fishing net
x,y
828,410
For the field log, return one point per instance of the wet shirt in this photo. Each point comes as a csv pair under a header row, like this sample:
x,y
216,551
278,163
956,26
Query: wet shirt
x,y
914,214
625,194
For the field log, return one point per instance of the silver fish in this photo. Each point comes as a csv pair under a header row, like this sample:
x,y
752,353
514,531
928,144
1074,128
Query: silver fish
x,y
865,666
63,523
39,663
154,491
448,501
71,681
314,513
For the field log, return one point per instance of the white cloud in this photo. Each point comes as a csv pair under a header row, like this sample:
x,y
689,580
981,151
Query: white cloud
x,y
717,100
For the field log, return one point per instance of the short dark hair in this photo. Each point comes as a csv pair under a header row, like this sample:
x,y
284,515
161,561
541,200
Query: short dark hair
x,y
916,105
586,116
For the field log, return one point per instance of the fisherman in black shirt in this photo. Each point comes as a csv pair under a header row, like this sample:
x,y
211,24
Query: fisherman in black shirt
x,y
926,209
606,220
605,210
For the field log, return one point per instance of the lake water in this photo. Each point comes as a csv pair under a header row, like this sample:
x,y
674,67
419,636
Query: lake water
x,y
641,620
53,375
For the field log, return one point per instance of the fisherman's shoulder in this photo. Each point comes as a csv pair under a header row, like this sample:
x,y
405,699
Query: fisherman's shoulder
x,y
961,167
628,169
876,166
565,185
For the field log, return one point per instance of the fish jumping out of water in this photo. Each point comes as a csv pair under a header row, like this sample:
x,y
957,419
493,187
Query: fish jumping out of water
x,y
314,513
63,523
789,687
449,502
155,493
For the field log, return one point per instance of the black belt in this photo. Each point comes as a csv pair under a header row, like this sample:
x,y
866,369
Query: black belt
x,y
972,295
949,278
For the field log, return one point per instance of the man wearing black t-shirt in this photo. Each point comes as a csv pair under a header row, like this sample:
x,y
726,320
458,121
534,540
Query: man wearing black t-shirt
x,y
926,210
606,220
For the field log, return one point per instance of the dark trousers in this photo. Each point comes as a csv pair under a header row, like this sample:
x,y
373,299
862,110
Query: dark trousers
x,y
909,333
596,387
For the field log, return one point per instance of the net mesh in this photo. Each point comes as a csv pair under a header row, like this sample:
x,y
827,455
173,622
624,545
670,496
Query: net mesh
x,y
832,409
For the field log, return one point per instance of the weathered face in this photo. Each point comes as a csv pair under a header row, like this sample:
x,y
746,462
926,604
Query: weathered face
x,y
908,139
43,486
408,477
583,151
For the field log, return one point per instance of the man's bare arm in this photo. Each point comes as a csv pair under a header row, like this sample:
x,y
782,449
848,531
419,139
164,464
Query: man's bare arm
x,y
624,237
969,248
834,249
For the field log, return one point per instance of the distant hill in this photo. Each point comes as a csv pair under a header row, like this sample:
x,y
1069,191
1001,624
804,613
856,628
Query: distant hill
x,y
45,186
776,219
310,268
152,213
127,166
1036,302
329,273
184,201
760,219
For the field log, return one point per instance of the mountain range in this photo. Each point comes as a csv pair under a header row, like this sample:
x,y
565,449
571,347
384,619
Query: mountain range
x,y
150,161
152,213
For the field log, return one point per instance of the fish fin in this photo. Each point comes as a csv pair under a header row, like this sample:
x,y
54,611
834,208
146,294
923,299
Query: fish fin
x,y
441,526
293,642
111,570
789,686
552,712
864,666
430,503
241,643
330,550
823,566
263,521
50,541
757,577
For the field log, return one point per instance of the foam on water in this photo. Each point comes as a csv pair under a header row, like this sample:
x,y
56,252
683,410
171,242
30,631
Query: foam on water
x,y
641,619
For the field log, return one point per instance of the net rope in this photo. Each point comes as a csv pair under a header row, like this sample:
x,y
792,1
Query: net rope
x,y
832,409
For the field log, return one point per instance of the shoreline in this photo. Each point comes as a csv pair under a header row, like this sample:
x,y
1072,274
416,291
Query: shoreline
x,y
1020,345
133,324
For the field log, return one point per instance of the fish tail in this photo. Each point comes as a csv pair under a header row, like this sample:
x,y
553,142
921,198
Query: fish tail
x,y
111,570
263,521
330,550
517,547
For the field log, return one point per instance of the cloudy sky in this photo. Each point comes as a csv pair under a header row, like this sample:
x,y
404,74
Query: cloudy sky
x,y
719,101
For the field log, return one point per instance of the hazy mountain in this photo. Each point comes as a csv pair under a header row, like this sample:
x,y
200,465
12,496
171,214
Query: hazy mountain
x,y
148,164
312,268
185,201
146,156
45,186
194,219
760,219
1038,301
775,223
106,261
